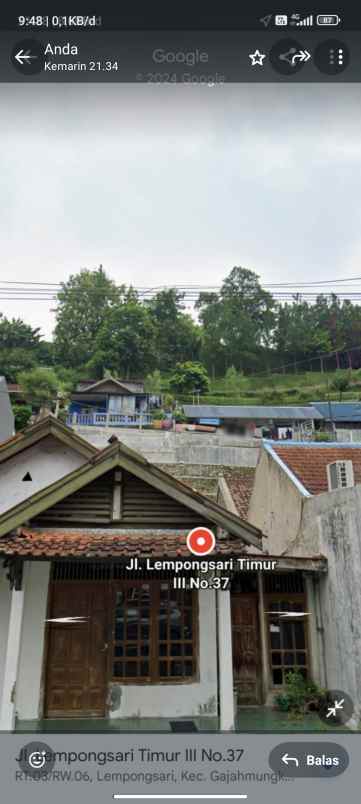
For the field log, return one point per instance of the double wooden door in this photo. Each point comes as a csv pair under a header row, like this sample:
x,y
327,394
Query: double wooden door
x,y
77,650
246,649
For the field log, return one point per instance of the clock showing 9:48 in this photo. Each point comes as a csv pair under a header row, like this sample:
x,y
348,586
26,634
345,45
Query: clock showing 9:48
x,y
34,22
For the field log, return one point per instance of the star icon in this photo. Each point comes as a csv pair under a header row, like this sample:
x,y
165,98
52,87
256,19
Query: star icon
x,y
257,58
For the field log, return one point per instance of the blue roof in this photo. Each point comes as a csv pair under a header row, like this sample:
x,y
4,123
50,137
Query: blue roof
x,y
340,411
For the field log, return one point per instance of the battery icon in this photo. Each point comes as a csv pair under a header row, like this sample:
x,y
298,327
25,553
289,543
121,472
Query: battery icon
x,y
328,19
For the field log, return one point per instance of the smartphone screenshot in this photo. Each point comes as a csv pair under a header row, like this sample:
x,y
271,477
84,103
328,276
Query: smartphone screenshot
x,y
180,405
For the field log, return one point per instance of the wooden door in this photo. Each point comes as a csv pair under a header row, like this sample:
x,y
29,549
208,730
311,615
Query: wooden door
x,y
246,649
76,672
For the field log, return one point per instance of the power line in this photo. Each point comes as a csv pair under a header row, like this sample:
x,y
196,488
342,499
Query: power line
x,y
192,285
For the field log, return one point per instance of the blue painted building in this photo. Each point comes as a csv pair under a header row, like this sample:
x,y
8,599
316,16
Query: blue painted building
x,y
109,402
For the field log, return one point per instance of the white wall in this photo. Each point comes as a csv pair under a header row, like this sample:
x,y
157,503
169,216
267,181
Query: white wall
x,y
329,525
179,700
336,531
47,461
276,505
4,619
36,578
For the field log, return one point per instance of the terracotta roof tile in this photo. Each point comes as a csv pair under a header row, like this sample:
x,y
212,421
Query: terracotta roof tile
x,y
309,463
91,544
241,487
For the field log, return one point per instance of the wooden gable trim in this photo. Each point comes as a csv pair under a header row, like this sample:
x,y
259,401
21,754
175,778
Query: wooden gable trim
x,y
96,386
49,426
116,456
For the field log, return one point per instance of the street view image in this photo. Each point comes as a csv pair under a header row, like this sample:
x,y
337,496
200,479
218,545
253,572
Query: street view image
x,y
180,409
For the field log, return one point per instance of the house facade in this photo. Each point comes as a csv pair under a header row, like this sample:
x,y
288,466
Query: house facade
x,y
306,498
88,633
109,403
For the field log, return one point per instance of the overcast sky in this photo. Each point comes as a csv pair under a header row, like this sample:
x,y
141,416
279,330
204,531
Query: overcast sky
x,y
178,184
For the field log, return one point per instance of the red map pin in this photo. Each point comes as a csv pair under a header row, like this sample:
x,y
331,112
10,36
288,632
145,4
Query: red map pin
x,y
201,541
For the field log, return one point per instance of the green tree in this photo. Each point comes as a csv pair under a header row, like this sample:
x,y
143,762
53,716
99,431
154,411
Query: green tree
x,y
18,347
188,377
153,382
22,414
12,361
45,353
177,337
15,334
300,333
84,303
39,385
239,323
232,381
213,348
341,383
125,343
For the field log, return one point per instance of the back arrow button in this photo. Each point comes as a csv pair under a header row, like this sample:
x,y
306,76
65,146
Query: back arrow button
x,y
28,56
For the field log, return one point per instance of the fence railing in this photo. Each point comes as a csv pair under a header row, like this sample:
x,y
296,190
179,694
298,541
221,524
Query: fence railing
x,y
108,419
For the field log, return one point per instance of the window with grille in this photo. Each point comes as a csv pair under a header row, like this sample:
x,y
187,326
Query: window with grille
x,y
287,628
155,633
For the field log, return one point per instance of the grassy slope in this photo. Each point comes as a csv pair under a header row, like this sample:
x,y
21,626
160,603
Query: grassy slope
x,y
288,389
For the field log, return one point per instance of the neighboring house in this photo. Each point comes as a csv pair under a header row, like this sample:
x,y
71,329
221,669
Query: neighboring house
x,y
43,453
341,418
306,499
83,637
7,422
260,420
109,403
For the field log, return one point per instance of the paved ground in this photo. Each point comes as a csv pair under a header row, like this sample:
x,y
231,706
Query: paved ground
x,y
249,719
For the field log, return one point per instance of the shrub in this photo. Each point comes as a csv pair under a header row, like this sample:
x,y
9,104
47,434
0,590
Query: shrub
x,y
320,436
158,415
300,695
22,415
341,383
179,416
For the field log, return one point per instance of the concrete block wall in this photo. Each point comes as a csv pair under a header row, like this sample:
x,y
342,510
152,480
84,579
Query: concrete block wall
x,y
173,448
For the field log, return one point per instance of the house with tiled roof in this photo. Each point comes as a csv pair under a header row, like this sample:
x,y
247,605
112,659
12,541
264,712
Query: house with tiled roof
x,y
306,500
87,628
96,622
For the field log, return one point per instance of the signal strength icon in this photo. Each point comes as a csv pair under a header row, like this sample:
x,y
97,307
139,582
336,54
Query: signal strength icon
x,y
306,22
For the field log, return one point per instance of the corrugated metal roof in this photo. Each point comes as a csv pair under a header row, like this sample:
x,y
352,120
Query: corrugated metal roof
x,y
249,412
340,411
